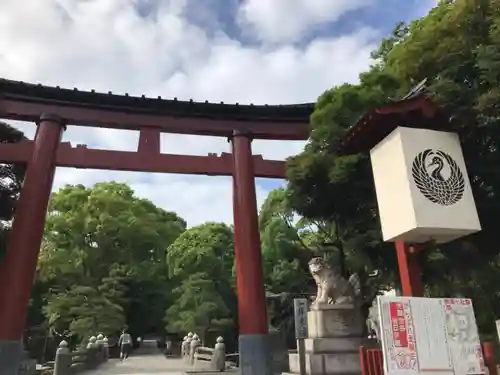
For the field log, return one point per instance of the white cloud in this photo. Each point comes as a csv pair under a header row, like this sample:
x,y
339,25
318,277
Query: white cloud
x,y
105,45
288,20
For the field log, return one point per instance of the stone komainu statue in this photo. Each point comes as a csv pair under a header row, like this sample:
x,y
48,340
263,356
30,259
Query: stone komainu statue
x,y
333,288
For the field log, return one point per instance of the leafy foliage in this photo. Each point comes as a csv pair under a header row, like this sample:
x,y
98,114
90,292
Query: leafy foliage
x,y
104,253
84,311
284,253
456,46
199,247
201,261
198,307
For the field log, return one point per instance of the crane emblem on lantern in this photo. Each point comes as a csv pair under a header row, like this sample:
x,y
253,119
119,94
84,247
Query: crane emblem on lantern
x,y
438,177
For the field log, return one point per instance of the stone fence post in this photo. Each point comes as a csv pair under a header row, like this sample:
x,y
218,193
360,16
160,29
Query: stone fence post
x,y
187,347
102,345
100,339
183,347
194,344
218,362
94,353
106,349
92,342
64,360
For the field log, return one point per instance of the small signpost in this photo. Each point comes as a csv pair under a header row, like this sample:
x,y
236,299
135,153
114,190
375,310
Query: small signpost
x,y
300,314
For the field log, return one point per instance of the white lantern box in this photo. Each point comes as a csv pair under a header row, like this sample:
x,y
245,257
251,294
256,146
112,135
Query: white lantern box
x,y
423,190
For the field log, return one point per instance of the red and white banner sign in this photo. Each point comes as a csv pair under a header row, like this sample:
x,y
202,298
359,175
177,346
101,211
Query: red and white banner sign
x,y
398,324
429,336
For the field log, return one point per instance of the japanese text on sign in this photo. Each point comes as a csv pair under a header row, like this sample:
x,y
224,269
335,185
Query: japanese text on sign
x,y
398,325
429,336
300,312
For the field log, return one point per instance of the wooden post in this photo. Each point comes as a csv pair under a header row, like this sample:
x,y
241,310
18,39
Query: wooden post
x,y
489,357
21,256
254,346
409,269
251,294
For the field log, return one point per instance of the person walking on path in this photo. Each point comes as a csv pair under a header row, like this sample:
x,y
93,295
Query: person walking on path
x,y
125,344
168,347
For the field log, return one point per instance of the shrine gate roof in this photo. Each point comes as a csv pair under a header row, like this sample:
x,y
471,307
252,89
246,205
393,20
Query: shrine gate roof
x,y
26,101
414,111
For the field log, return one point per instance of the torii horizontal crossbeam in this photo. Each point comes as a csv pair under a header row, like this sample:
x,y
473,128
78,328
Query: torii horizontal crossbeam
x,y
136,161
26,102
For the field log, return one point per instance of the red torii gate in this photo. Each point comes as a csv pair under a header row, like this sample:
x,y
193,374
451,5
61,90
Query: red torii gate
x,y
52,108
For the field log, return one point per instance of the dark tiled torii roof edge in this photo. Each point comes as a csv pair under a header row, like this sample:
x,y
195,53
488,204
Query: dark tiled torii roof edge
x,y
18,90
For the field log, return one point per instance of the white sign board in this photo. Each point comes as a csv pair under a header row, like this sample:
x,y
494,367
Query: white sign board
x,y
423,190
429,336
463,337
300,314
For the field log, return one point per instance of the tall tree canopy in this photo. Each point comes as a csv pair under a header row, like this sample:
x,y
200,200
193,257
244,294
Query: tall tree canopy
x,y
457,48
107,247
284,253
200,263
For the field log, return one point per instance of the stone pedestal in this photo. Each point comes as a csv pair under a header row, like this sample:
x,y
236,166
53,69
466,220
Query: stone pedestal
x,y
279,351
332,348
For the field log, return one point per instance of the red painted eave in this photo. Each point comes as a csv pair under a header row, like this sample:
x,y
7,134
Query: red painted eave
x,y
416,112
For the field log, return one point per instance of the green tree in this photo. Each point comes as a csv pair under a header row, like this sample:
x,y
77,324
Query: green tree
x,y
205,248
88,229
456,47
198,307
284,252
288,242
84,311
113,244
202,258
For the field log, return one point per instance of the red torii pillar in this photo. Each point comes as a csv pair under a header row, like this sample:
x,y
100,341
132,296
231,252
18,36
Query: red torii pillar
x,y
254,348
21,256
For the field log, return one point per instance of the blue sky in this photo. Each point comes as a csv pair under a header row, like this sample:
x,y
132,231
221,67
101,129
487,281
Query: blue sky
x,y
251,51
381,15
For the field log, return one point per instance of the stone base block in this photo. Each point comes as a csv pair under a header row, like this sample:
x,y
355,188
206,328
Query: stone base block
x,y
255,355
335,321
333,345
11,355
327,363
277,343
